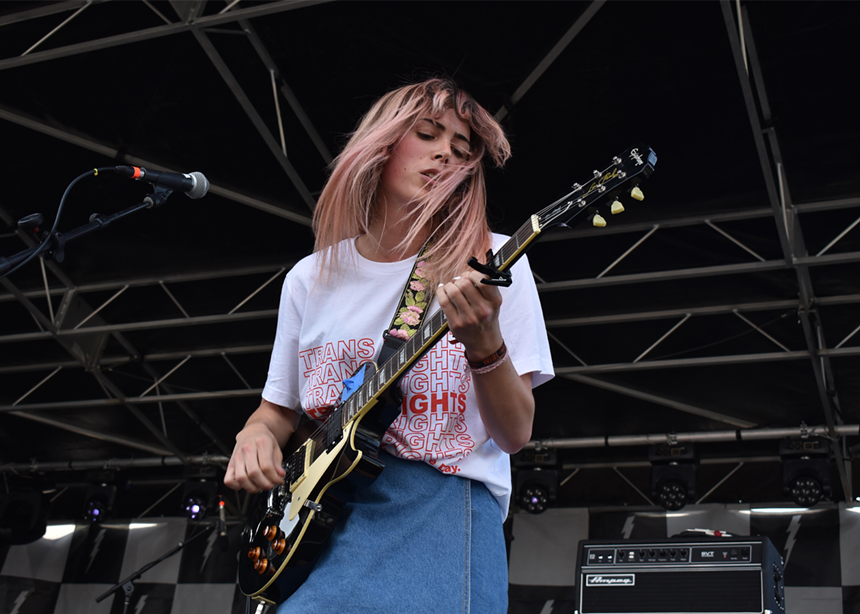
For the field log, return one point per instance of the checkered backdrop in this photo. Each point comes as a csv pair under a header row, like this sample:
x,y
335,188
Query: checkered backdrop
x,y
820,548
66,570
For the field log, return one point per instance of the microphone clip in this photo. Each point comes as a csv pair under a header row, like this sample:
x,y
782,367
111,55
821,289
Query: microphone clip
x,y
158,197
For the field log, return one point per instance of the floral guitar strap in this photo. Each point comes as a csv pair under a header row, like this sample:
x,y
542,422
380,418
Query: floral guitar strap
x,y
411,311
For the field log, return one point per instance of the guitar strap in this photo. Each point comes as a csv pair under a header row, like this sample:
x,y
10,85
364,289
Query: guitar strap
x,y
411,310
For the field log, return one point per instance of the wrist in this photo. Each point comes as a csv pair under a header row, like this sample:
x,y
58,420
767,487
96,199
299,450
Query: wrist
x,y
489,362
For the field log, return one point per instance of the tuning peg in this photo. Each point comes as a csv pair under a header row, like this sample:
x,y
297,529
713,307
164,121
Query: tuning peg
x,y
637,194
598,221
616,208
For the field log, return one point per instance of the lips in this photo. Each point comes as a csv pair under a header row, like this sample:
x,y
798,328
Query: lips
x,y
431,175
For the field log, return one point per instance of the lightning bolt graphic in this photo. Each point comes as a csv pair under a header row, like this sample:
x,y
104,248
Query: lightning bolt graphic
x,y
210,542
140,605
20,601
792,535
627,530
97,542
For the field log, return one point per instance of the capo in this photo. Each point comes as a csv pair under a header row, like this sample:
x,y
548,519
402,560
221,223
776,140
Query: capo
x,y
497,277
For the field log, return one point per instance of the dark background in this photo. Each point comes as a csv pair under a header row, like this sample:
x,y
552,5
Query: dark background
x,y
765,154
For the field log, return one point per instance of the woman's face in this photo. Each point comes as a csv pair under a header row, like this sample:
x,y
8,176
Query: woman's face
x,y
430,146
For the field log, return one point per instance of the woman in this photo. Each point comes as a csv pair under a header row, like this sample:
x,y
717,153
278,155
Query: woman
x,y
426,536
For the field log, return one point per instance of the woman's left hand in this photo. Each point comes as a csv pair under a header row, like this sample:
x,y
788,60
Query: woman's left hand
x,y
504,397
472,309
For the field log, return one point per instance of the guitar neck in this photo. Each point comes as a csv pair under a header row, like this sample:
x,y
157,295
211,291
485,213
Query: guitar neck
x,y
431,330
629,168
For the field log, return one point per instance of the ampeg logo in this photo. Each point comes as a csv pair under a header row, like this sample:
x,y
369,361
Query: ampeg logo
x,y
637,157
610,579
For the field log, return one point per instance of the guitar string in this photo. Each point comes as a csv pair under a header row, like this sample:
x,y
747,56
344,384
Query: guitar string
x,y
393,364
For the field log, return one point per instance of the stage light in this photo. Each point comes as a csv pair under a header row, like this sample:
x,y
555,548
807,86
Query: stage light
x,y
536,480
98,502
805,469
673,474
197,498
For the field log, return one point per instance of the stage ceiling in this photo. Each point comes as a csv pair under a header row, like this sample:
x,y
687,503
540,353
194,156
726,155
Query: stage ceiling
x,y
720,311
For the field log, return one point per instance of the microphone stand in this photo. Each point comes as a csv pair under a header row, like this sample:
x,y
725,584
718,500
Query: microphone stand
x,y
127,584
54,245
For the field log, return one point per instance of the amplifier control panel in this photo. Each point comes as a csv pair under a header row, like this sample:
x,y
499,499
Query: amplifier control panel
x,y
672,554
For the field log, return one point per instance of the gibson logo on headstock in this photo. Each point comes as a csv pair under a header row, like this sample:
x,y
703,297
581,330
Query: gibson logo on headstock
x,y
634,154
610,175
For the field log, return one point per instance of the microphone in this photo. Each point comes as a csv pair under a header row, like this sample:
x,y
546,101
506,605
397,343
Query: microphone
x,y
194,185
223,542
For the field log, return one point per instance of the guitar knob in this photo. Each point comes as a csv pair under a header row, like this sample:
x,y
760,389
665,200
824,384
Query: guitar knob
x,y
616,208
598,221
271,532
637,194
254,553
279,545
261,566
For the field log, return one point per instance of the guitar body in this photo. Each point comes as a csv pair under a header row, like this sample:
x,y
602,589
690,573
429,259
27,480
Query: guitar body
x,y
288,526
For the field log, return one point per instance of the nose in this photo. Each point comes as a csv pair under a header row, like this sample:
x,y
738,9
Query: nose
x,y
444,150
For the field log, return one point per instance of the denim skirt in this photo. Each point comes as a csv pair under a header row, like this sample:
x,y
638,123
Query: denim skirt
x,y
415,541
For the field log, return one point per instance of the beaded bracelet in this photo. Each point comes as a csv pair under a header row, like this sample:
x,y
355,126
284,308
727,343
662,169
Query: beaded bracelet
x,y
489,368
493,360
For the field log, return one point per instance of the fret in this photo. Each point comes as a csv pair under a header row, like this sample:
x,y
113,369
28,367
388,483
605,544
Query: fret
x,y
560,212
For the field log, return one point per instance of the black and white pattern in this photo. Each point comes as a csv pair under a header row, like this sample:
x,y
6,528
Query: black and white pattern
x,y
66,570
819,546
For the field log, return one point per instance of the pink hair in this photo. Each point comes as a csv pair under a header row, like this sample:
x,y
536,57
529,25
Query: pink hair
x,y
453,214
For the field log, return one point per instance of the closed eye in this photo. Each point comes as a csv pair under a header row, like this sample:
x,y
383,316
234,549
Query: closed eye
x,y
460,154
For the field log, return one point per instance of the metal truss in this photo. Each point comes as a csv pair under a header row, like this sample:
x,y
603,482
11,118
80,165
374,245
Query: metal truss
x,y
89,330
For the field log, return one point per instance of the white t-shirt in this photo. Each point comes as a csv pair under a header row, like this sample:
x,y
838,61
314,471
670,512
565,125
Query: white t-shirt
x,y
326,330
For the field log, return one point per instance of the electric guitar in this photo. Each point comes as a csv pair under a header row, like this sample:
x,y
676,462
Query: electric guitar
x,y
288,526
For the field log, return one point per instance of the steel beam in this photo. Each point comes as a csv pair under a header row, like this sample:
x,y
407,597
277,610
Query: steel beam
x,y
545,63
110,152
157,32
787,223
148,325
164,398
256,120
764,434
660,400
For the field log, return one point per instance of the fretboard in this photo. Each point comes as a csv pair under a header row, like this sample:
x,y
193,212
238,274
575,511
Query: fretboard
x,y
430,331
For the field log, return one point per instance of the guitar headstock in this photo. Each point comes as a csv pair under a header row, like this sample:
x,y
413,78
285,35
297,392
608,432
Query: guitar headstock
x,y
624,173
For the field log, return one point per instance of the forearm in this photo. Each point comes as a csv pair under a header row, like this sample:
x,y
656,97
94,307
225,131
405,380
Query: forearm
x,y
281,421
255,464
506,405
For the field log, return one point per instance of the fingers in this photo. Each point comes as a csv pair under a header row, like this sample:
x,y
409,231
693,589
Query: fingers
x,y
256,462
473,301
472,310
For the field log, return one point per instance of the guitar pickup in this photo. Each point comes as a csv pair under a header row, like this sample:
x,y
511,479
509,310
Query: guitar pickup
x,y
303,455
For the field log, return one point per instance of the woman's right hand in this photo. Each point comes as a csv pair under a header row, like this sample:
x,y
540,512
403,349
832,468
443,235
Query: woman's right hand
x,y
255,464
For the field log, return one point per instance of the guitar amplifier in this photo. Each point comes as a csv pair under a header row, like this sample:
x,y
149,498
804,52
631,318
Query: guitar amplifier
x,y
684,574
